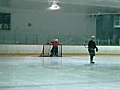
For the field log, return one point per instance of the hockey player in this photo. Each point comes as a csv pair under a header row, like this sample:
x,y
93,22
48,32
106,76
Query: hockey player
x,y
91,49
54,50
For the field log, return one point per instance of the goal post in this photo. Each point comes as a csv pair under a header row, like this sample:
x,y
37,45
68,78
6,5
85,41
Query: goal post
x,y
46,50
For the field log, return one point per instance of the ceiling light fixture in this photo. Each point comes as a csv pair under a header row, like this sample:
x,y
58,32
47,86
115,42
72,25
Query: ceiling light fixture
x,y
54,5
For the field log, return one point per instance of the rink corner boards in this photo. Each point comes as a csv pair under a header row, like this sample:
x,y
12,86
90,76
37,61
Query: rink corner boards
x,y
63,55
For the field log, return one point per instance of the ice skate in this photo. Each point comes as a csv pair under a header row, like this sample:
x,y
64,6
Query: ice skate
x,y
92,62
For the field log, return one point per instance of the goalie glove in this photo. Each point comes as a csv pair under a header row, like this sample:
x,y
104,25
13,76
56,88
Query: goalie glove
x,y
96,49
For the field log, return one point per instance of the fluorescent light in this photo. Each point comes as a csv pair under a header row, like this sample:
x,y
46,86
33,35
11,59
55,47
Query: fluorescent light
x,y
54,6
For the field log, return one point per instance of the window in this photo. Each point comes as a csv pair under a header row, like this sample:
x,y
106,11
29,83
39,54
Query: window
x,y
5,21
116,21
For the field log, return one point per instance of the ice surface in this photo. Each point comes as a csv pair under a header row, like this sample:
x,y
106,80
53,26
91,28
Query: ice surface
x,y
59,73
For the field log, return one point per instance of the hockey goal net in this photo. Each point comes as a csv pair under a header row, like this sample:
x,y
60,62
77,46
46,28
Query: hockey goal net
x,y
46,50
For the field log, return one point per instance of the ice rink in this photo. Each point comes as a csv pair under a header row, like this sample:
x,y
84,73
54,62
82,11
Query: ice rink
x,y
59,73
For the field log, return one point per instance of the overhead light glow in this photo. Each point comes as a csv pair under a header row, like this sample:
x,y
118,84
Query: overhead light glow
x,y
54,6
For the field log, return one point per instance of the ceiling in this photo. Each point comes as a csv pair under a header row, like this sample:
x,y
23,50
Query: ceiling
x,y
69,6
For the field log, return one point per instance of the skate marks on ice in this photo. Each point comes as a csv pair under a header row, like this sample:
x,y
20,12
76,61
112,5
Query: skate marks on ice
x,y
51,62
49,73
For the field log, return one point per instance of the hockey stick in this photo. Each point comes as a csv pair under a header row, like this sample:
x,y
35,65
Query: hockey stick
x,y
85,46
88,47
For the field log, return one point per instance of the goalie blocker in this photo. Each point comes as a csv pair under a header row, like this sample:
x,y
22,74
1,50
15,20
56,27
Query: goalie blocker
x,y
46,51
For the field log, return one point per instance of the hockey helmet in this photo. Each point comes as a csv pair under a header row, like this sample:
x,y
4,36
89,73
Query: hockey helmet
x,y
92,37
56,39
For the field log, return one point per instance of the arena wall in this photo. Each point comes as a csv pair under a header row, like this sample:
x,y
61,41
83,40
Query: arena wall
x,y
66,50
